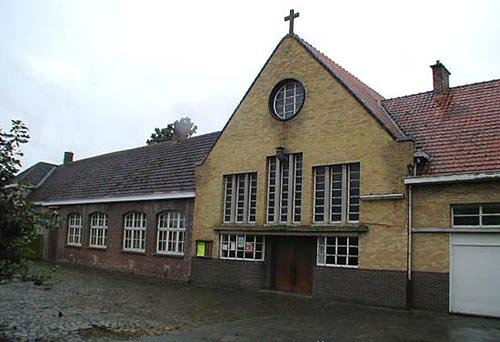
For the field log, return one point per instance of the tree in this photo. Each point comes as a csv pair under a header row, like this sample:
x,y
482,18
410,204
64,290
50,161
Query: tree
x,y
179,130
17,217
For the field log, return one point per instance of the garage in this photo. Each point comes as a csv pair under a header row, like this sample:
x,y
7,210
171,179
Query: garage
x,y
475,274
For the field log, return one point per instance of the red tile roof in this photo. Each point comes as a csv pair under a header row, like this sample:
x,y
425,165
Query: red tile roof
x,y
368,97
460,129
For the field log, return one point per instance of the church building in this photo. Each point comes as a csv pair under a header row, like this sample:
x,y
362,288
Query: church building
x,y
317,185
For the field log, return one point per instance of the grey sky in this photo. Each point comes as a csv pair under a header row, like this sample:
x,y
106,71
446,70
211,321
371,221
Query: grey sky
x,y
97,76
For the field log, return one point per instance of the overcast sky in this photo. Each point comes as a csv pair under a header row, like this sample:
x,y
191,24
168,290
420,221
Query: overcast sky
x,y
98,76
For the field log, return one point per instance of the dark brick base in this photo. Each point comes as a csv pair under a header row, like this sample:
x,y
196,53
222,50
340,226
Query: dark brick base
x,y
430,291
230,273
371,287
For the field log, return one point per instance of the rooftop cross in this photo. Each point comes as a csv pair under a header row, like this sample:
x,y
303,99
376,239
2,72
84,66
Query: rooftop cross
x,y
291,18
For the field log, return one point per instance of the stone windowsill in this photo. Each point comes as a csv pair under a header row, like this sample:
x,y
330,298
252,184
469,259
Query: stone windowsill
x,y
175,256
73,246
133,252
104,249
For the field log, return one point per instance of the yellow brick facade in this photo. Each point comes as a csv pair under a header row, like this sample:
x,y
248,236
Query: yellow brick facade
x,y
332,128
432,209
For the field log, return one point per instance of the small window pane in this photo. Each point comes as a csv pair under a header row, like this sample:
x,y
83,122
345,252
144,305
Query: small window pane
x,y
466,210
491,220
466,220
491,208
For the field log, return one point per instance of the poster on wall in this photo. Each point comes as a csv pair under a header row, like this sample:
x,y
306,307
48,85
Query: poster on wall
x,y
241,242
249,247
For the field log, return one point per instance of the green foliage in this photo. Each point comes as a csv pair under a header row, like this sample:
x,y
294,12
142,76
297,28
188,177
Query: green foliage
x,y
17,217
180,129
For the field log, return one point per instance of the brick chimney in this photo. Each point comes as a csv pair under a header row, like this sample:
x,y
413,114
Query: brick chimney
x,y
440,78
68,157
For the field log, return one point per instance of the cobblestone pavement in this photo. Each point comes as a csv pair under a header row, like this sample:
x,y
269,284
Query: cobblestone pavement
x,y
92,305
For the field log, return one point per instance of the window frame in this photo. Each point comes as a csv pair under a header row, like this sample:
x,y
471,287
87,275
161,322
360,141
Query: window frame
x,y
236,249
293,198
96,228
480,216
274,94
345,196
135,230
177,232
249,207
336,255
72,227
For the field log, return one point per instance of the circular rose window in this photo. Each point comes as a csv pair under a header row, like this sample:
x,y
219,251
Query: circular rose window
x,y
287,99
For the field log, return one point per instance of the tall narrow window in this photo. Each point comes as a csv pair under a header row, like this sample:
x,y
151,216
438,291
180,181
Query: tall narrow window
x,y
171,233
240,198
336,193
134,237
98,230
284,188
75,229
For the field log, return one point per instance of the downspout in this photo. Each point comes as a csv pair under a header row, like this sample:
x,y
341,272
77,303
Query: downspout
x,y
409,261
409,287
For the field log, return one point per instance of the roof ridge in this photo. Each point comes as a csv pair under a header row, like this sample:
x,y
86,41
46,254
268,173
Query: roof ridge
x,y
153,146
451,88
340,66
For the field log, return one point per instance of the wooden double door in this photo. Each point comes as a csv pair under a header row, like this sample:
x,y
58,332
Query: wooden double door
x,y
293,264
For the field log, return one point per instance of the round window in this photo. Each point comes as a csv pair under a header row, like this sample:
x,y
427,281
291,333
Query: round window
x,y
287,99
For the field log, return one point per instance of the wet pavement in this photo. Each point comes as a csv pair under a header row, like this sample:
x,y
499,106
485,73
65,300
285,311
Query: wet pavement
x,y
94,305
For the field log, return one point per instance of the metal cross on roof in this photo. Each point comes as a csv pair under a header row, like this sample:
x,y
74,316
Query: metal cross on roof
x,y
291,18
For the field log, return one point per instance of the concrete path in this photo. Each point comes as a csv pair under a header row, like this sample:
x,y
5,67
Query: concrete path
x,y
91,305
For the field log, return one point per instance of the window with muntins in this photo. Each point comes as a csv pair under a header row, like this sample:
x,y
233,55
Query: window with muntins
x,y
242,247
240,198
340,251
336,193
476,215
98,230
134,237
284,188
171,233
75,229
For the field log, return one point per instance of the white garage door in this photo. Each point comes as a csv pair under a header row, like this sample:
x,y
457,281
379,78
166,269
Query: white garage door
x,y
475,274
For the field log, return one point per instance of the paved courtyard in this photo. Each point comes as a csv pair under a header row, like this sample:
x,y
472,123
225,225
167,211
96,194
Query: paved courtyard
x,y
92,305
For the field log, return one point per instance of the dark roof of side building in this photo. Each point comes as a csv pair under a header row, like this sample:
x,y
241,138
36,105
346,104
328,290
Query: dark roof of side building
x,y
35,174
460,128
156,169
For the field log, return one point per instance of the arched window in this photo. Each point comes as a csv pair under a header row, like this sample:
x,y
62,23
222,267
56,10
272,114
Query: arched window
x,y
75,229
171,232
134,236
98,230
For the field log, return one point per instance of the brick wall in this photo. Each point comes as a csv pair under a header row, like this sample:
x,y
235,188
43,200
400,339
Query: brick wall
x,y
372,287
230,273
113,257
430,291
432,209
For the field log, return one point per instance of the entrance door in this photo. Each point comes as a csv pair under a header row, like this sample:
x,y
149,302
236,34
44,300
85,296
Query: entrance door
x,y
293,265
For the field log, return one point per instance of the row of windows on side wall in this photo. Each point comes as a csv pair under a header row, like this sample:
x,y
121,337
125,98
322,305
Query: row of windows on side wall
x,y
171,227
336,193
